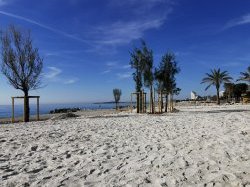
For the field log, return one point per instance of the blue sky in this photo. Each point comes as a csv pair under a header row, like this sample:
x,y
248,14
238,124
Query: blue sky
x,y
86,43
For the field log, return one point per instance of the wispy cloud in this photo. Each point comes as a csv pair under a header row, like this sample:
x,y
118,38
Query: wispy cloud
x,y
232,64
53,73
126,66
112,64
106,71
4,2
71,81
124,75
57,31
237,22
142,16
124,32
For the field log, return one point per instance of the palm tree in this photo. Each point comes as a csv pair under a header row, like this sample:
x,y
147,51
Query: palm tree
x,y
117,95
216,78
245,76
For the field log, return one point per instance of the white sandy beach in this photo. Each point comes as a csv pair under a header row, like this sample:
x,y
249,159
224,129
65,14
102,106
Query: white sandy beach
x,y
198,146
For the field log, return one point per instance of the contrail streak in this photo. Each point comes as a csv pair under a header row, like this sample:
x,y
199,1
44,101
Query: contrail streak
x,y
44,26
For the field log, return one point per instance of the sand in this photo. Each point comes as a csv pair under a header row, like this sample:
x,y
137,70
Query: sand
x,y
198,146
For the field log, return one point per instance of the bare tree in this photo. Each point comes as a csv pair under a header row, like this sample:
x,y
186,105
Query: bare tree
x,y
117,95
21,63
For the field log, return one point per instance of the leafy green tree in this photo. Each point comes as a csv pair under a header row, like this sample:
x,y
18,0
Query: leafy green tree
x,y
137,64
21,63
166,73
229,90
148,75
216,78
117,96
239,89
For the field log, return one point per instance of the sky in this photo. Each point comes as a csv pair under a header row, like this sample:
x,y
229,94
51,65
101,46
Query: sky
x,y
86,44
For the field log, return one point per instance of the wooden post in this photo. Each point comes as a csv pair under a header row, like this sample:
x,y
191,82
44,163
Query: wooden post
x,y
158,102
142,101
13,110
145,101
131,104
37,109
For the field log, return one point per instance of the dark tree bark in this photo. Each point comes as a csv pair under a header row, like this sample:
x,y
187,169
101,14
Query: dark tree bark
x,y
166,104
218,96
152,99
26,107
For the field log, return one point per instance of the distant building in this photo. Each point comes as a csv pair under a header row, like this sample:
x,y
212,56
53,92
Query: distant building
x,y
221,94
194,95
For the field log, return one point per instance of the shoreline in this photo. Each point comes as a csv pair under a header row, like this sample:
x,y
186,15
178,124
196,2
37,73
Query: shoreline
x,y
43,117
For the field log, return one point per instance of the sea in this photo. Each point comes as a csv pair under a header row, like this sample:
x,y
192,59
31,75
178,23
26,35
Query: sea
x,y
6,110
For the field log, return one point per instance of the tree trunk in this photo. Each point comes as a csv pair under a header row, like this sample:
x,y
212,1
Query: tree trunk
x,y
141,101
116,105
161,102
218,96
26,107
171,103
138,101
152,99
166,104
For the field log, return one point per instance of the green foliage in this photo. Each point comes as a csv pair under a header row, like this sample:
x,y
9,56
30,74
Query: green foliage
x,y
239,89
216,78
136,63
245,76
166,72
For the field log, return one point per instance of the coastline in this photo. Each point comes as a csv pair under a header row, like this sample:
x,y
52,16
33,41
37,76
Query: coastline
x,y
43,117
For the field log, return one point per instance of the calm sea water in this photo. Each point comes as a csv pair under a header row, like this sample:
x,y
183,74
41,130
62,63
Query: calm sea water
x,y
5,110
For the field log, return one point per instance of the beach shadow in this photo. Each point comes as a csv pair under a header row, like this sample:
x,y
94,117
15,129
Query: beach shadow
x,y
219,111
120,116
229,111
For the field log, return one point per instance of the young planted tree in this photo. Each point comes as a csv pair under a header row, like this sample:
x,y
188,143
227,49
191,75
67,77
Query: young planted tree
x,y
239,89
148,75
21,63
174,91
117,95
159,88
166,73
136,63
216,78
229,90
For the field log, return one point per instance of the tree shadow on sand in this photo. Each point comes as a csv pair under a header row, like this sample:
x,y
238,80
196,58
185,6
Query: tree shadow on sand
x,y
119,116
219,111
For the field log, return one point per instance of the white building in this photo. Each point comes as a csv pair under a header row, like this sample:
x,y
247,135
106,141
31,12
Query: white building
x,y
221,94
194,95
